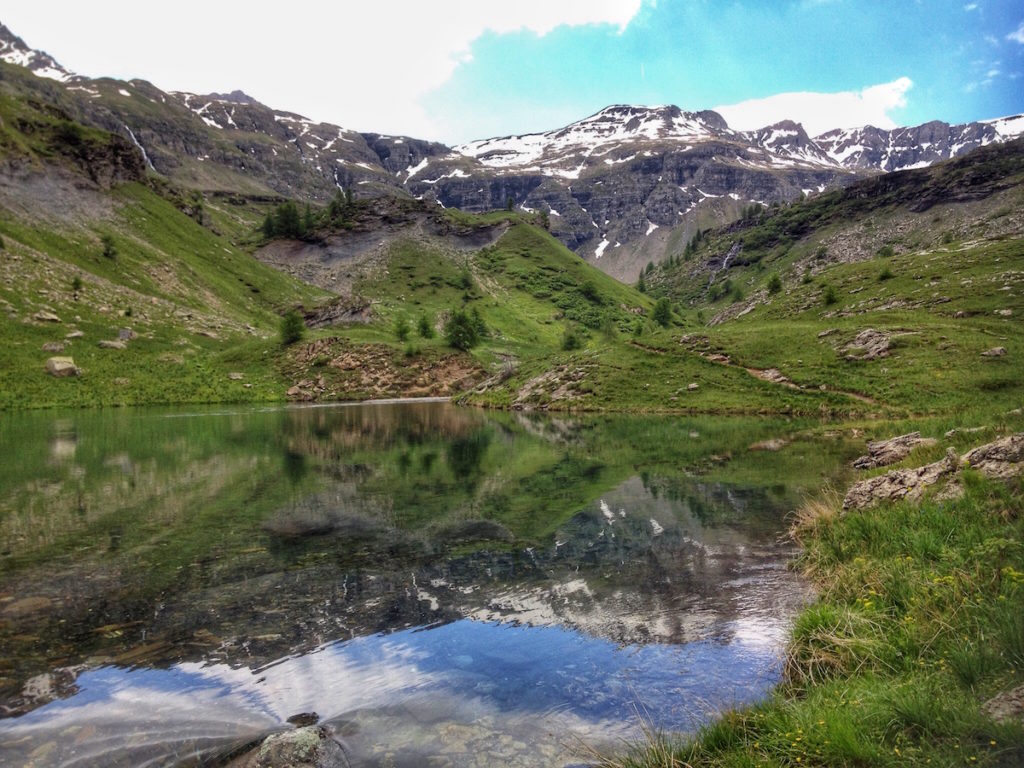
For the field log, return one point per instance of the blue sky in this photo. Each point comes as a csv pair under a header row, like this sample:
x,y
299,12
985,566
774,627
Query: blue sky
x,y
455,70
961,59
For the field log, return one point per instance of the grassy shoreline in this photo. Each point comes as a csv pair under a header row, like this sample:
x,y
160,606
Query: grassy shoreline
x,y
920,620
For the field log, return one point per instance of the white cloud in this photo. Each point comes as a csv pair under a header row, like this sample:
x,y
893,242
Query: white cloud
x,y
971,7
1017,35
362,65
820,112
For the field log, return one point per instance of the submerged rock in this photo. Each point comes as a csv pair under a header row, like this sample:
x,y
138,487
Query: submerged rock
x,y
309,747
882,453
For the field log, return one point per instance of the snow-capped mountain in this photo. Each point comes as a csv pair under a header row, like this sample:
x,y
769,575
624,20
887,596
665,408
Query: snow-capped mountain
x,y
899,149
622,187
567,151
14,51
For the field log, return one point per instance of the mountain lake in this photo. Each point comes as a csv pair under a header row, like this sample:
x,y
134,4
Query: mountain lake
x,y
441,586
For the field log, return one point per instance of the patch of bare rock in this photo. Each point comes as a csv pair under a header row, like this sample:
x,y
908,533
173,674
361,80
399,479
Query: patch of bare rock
x,y
882,453
1007,706
1000,459
869,344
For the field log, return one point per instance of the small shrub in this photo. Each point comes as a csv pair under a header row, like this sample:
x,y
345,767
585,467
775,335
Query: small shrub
x,y
425,327
571,340
830,296
411,350
109,249
402,328
821,253
886,251
293,327
127,311
76,284
947,237
736,294
774,284
807,278
885,274
589,292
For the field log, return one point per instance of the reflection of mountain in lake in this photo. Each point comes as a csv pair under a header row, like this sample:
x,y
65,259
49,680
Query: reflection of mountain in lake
x,y
237,543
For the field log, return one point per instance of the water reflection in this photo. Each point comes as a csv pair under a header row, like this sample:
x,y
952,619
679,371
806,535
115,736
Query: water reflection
x,y
432,581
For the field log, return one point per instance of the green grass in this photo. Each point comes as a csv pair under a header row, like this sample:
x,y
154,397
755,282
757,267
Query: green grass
x,y
935,363
918,622
202,309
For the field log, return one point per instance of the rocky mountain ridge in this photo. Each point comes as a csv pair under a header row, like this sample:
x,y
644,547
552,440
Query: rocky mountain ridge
x,y
623,187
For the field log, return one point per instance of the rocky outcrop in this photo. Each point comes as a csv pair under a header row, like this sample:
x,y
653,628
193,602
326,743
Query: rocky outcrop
x,y
909,484
1001,459
882,453
994,352
869,344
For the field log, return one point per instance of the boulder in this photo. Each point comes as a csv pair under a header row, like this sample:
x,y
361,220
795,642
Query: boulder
x,y
235,376
1000,459
53,346
127,334
62,367
899,484
107,344
693,386
882,453
45,317
75,335
994,352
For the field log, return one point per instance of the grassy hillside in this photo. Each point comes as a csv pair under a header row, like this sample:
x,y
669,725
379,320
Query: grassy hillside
x,y
930,263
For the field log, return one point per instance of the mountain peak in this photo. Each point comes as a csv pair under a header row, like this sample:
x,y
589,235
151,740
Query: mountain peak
x,y
235,97
13,50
